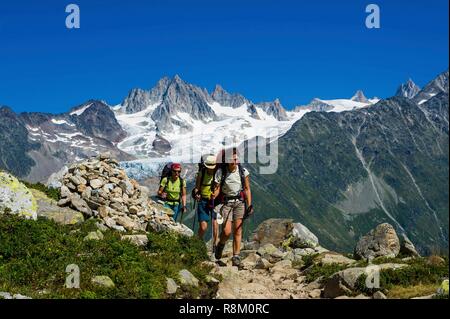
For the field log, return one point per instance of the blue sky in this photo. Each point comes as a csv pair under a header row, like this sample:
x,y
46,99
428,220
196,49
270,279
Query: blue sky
x,y
292,50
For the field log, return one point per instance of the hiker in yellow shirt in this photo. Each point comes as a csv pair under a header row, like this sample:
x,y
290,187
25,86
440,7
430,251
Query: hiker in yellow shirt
x,y
173,191
203,195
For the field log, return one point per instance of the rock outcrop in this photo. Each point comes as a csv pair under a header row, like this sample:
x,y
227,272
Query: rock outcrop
x,y
279,231
99,188
344,282
273,231
303,237
16,198
48,208
407,248
379,242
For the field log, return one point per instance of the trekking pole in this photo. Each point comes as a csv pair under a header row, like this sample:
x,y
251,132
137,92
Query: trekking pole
x,y
245,217
213,230
182,215
195,217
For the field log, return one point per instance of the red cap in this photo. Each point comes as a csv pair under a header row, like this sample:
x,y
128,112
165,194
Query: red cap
x,y
176,166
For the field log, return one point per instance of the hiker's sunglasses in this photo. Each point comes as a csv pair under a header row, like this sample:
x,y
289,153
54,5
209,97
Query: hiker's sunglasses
x,y
177,172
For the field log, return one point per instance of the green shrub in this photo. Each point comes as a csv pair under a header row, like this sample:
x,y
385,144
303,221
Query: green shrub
x,y
34,256
418,272
309,260
440,296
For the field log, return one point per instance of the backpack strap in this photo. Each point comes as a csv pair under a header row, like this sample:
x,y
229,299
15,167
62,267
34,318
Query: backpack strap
x,y
242,175
202,175
165,185
223,177
181,189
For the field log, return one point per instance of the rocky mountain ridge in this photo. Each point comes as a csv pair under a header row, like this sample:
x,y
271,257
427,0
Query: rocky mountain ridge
x,y
343,173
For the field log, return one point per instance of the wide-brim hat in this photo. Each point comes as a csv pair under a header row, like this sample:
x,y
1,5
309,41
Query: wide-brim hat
x,y
210,162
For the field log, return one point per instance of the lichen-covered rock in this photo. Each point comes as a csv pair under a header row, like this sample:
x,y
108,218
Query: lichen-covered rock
x,y
172,286
139,240
267,249
379,242
302,252
94,235
16,198
271,253
64,217
187,279
48,208
103,281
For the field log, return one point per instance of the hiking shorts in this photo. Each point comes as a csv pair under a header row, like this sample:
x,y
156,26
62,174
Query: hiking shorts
x,y
204,212
232,210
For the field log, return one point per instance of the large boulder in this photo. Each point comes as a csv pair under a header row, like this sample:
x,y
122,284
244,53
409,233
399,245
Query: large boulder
x,y
379,242
407,248
344,282
48,208
303,237
16,198
284,232
273,231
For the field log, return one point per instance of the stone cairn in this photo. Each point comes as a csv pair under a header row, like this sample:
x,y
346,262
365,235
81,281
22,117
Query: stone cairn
x,y
100,189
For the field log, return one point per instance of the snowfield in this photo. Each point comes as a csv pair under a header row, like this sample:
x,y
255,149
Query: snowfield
x,y
233,127
191,138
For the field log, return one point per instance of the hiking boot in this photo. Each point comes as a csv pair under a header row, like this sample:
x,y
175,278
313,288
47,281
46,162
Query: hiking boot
x,y
236,261
219,250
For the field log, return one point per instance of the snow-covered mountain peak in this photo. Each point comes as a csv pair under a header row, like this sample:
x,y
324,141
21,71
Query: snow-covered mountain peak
x,y
359,97
438,85
274,109
233,100
336,105
80,109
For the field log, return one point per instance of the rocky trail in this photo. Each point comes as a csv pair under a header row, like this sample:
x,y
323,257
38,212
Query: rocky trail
x,y
268,271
